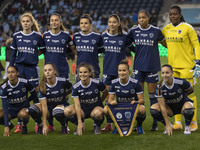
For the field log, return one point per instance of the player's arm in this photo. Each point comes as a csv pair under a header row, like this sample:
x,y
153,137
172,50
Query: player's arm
x,y
163,43
44,116
111,99
33,94
140,99
161,103
73,49
104,95
6,118
78,114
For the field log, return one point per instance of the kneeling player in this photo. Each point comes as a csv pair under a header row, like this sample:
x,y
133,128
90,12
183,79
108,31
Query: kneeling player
x,y
172,99
87,100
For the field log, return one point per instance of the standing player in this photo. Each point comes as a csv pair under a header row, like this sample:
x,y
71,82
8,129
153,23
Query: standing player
x,y
183,52
88,44
172,99
115,42
15,100
56,41
52,95
147,59
87,100
26,43
128,90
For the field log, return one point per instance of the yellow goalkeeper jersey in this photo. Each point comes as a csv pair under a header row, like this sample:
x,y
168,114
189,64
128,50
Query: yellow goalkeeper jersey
x,y
183,45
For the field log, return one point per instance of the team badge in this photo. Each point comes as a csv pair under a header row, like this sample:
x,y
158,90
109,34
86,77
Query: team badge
x,y
93,41
127,114
96,91
34,42
120,42
119,115
62,90
63,41
151,35
179,90
23,89
132,91
179,31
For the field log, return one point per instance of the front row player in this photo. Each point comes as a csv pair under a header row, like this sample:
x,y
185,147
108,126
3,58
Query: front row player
x,y
127,90
15,100
87,100
172,99
52,95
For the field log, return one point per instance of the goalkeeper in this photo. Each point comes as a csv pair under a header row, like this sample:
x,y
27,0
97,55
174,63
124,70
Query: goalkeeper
x,y
183,55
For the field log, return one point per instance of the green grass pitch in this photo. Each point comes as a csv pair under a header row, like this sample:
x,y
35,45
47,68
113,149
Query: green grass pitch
x,y
149,141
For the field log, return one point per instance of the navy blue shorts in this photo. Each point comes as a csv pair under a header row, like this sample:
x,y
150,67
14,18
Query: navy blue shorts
x,y
106,79
29,72
87,112
149,77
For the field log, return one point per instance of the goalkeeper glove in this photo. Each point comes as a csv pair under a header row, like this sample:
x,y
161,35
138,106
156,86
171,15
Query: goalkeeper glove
x,y
196,71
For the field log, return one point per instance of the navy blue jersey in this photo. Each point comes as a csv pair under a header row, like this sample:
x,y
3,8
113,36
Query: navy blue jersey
x,y
125,92
56,49
27,46
175,95
88,46
56,94
147,57
14,98
89,96
115,51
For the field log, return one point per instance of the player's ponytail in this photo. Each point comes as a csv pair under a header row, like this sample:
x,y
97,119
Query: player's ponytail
x,y
43,81
179,10
120,31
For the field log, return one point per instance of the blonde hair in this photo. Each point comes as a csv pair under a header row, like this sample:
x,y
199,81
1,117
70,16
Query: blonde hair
x,y
35,26
43,81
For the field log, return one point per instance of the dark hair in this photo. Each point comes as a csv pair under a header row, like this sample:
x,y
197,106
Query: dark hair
x,y
88,66
124,62
179,11
6,80
118,19
86,16
161,81
62,27
144,11
43,81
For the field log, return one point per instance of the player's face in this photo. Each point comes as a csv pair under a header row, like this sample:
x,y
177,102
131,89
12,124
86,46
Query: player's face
x,y
85,25
123,72
113,24
84,73
55,22
143,19
26,23
12,73
49,71
166,74
174,16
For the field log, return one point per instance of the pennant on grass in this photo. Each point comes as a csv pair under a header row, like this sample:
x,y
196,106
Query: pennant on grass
x,y
123,115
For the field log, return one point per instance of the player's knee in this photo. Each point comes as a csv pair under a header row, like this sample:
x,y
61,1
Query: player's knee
x,y
141,110
189,111
33,109
68,112
98,114
156,114
23,114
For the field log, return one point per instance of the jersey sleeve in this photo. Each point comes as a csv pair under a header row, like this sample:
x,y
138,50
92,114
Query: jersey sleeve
x,y
70,41
101,87
5,106
75,92
160,36
68,85
14,51
138,89
112,89
41,95
195,42
186,85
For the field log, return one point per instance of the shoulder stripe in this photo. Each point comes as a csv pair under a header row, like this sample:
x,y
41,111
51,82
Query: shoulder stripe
x,y
77,85
96,33
3,86
133,80
76,33
16,33
66,32
37,33
189,25
177,81
61,79
115,80
94,80
23,80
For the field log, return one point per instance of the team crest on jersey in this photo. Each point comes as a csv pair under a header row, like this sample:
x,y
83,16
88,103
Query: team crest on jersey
x,y
62,90
23,89
179,90
179,31
34,42
96,91
119,115
151,35
120,42
127,114
63,41
93,41
132,91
